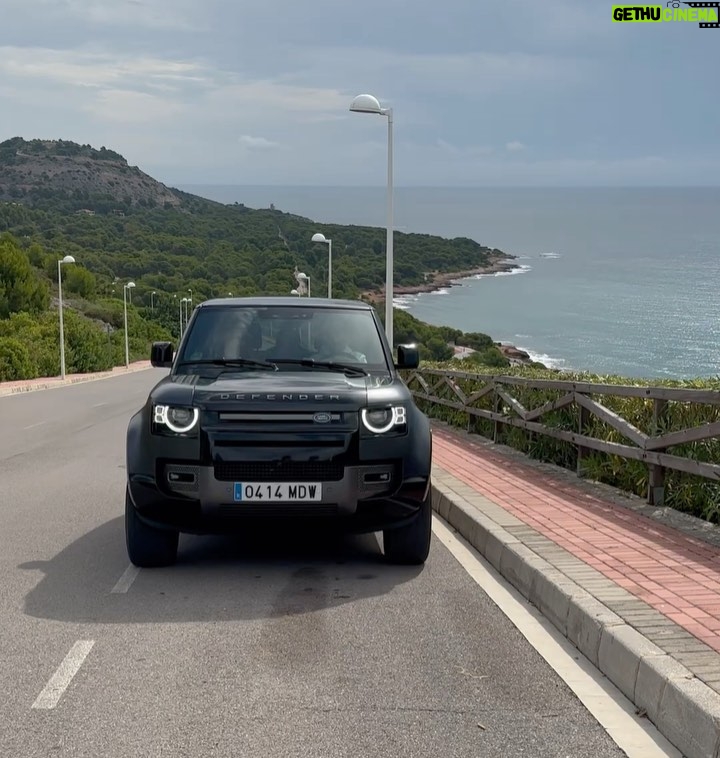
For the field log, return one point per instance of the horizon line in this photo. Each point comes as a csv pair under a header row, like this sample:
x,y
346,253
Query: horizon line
x,y
452,186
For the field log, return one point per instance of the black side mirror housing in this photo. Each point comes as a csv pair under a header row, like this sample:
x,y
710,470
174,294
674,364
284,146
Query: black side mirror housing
x,y
161,354
408,357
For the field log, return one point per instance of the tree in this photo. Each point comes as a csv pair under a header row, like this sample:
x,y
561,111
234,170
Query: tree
x,y
21,289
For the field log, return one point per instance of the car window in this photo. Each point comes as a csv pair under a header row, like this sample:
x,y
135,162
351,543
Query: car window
x,y
290,332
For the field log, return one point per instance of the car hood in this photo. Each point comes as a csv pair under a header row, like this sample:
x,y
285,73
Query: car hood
x,y
264,390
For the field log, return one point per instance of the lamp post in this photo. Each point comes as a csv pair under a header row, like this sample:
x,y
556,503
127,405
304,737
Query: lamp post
x,y
182,319
126,292
322,238
187,307
152,301
370,104
66,259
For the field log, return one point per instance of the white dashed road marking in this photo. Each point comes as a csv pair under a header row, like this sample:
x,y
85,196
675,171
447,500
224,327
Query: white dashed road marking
x,y
60,680
125,581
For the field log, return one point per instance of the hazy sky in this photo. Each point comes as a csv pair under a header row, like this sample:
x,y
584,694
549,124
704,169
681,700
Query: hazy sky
x,y
512,92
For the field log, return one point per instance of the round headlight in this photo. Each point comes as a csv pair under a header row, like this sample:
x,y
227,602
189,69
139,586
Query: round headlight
x,y
381,420
180,416
177,419
378,418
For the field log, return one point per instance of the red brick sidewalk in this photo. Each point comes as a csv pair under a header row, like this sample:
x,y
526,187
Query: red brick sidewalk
x,y
677,575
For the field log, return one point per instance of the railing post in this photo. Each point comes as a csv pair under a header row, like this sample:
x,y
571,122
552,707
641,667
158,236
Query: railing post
x,y
472,422
582,452
656,474
497,401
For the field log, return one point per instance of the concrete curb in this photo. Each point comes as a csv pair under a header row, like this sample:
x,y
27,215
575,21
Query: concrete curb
x,y
33,385
684,709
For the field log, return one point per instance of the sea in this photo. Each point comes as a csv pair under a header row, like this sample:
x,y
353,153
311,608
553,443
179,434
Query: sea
x,y
622,281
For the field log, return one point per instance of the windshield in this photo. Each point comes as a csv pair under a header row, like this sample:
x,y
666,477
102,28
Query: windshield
x,y
337,335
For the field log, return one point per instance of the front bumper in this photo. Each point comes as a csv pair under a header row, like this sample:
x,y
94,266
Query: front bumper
x,y
190,498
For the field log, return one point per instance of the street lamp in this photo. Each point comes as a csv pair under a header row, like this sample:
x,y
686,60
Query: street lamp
x,y
322,238
295,292
182,322
152,301
126,291
370,104
66,259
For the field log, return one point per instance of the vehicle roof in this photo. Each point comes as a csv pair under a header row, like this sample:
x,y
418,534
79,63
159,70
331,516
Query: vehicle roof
x,y
285,300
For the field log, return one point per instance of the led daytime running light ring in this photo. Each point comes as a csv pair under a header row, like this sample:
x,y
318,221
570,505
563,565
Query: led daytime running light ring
x,y
163,412
397,417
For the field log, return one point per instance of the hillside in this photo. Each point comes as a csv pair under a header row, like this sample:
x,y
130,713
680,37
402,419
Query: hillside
x,y
49,172
121,225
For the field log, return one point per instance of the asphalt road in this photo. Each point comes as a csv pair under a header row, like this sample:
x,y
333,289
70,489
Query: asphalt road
x,y
247,647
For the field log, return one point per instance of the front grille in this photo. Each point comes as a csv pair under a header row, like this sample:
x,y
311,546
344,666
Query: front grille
x,y
287,471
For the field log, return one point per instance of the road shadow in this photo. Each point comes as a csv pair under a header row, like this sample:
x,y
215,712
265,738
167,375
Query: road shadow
x,y
257,575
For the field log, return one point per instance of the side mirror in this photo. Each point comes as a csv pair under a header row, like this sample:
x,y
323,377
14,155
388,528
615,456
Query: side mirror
x,y
161,354
408,357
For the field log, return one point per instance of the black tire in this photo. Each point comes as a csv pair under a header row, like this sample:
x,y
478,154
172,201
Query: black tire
x,y
147,546
410,545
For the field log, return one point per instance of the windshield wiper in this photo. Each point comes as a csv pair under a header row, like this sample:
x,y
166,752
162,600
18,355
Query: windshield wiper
x,y
311,363
231,362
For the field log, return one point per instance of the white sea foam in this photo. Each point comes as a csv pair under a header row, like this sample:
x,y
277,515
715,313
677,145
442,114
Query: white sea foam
x,y
443,291
546,360
404,302
522,269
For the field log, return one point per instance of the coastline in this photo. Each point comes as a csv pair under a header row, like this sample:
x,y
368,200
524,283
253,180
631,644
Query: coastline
x,y
437,280
441,280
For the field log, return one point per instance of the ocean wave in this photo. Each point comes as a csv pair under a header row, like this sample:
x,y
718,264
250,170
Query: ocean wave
x,y
545,359
522,269
442,291
403,302
550,255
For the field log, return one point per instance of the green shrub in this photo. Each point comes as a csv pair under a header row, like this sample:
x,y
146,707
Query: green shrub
x,y
15,360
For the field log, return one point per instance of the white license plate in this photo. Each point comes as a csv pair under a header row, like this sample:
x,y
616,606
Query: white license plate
x,y
282,492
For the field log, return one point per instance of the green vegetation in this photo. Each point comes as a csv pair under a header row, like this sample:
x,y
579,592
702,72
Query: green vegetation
x,y
121,226
29,332
46,148
435,341
693,494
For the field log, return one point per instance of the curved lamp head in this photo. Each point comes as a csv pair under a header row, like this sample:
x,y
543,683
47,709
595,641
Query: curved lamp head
x,y
294,292
129,285
319,237
68,259
366,104
302,275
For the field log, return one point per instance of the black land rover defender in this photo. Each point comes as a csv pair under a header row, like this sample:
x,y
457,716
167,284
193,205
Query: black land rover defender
x,y
279,407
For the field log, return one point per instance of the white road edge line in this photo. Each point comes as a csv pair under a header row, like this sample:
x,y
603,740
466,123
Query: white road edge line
x,y
637,737
125,581
60,680
32,426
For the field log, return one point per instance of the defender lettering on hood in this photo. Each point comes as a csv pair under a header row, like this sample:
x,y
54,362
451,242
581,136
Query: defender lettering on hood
x,y
269,397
